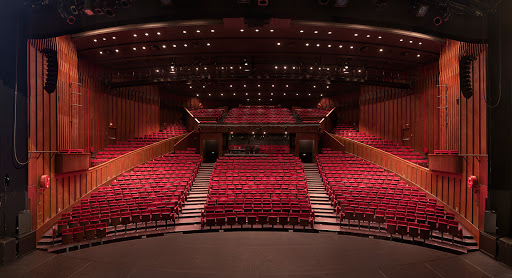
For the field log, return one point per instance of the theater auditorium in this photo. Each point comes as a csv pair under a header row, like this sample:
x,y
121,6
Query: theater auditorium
x,y
256,138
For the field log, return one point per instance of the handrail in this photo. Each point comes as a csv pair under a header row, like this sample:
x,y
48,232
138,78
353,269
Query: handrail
x,y
413,174
328,114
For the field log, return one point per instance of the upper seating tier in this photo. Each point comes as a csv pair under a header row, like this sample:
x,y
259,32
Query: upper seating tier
x,y
207,115
399,150
120,148
259,114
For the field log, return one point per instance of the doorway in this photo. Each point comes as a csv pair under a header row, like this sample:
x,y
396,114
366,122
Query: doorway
x,y
306,149
211,151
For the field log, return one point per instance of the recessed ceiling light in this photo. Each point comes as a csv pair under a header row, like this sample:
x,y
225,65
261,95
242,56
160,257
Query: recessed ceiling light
x,y
257,30
245,86
309,94
420,43
321,95
314,86
381,50
286,85
246,94
197,95
329,32
329,45
146,34
234,94
419,55
401,40
259,99
210,95
297,94
241,30
184,32
208,44
117,50
190,87
355,35
135,35
302,31
259,85
351,47
113,38
316,32
271,30
101,52
104,39
340,46
278,43
248,100
284,94
221,94
230,67
293,68
307,44
311,68
359,71
185,45
158,33
317,45
135,48
272,85
327,87
270,99
164,46
95,40
230,86
174,45
144,47
380,37
410,41
259,94
276,67
271,94
213,31
284,67
198,31
157,70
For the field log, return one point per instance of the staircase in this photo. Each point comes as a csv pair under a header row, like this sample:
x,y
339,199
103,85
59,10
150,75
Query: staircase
x,y
325,216
191,210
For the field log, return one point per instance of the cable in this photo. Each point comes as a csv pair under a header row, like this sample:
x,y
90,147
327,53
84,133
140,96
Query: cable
x,y
16,100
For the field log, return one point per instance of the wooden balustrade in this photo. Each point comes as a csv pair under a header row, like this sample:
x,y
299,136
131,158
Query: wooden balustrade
x,y
71,187
190,140
445,187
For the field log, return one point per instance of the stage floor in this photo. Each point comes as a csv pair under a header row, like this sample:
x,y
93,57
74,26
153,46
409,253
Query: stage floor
x,y
255,254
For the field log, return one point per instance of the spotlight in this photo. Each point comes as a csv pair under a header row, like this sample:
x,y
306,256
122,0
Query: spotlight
x,y
89,7
109,8
263,3
341,3
422,10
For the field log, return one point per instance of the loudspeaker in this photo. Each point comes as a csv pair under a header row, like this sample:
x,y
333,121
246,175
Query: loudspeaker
x,y
465,73
52,70
24,222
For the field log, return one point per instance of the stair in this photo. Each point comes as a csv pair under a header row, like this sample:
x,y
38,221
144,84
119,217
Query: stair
x,y
325,216
191,210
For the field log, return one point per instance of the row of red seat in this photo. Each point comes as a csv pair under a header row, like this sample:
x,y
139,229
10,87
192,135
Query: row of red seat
x,y
259,114
399,150
280,189
311,115
374,199
153,191
207,115
120,148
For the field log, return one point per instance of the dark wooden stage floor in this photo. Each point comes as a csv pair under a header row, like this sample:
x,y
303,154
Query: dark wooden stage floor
x,y
255,254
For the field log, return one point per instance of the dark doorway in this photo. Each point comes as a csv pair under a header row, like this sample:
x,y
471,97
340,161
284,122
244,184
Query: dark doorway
x,y
306,148
211,151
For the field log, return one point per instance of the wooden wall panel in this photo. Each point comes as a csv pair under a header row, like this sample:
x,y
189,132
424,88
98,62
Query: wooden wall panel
x,y
54,124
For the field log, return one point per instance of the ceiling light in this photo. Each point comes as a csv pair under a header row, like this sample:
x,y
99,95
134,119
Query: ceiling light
x,y
314,86
198,31
230,86
241,30
190,87
367,36
259,85
311,68
293,68
317,45
420,43
297,94
213,31
101,52
95,40
185,45
259,99
210,95
286,85
270,99
164,46
248,100
309,94
351,47
134,48
173,45
135,35
246,94
234,94
257,30
197,95
259,94
271,30
184,32
208,44
329,32
307,44
104,39
204,86
272,85
158,33
245,86
221,94
381,50
271,94
146,34
117,50
418,55
302,31
380,37
355,35
157,70
284,94
316,32
278,43
401,40
144,47
410,41
113,38
327,86
329,45
276,67
284,67
321,95
340,46
359,71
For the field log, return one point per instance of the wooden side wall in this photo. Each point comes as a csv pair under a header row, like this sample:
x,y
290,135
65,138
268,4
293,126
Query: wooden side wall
x,y
54,123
